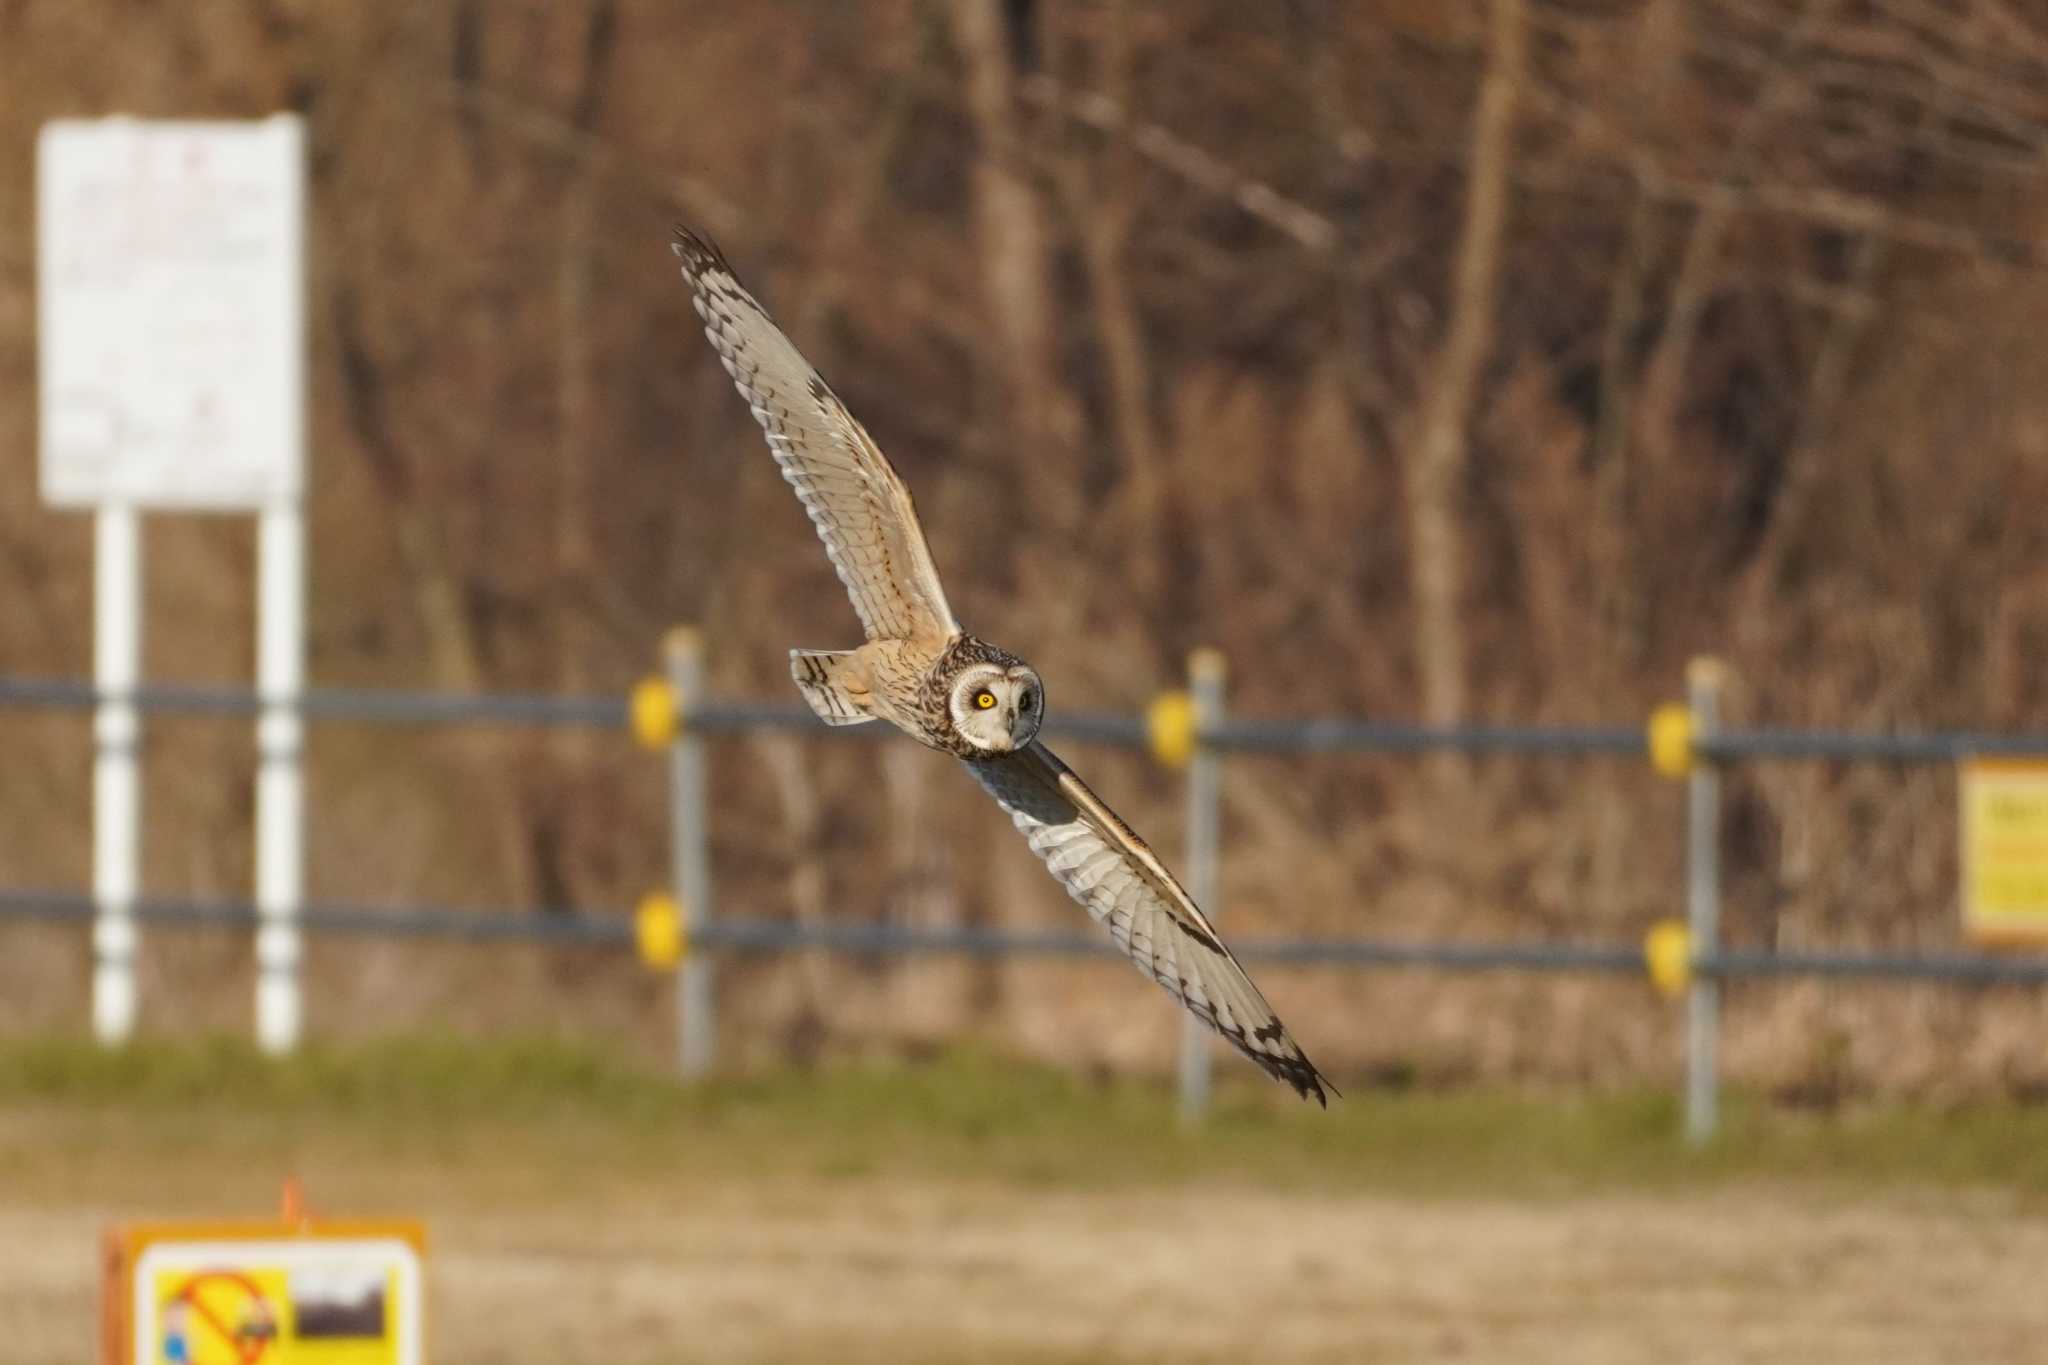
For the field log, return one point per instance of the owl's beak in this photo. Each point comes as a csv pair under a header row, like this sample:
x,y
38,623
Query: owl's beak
x,y
1022,727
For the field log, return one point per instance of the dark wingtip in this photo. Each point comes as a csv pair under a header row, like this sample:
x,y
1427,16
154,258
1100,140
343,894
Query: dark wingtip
x,y
699,253
1308,1082
1280,1057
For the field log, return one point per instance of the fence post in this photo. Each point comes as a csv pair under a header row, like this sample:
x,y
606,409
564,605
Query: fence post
x,y
690,849
1207,671
1703,679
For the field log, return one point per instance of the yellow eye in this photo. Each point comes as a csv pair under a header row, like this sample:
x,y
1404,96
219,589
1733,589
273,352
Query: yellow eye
x,y
985,700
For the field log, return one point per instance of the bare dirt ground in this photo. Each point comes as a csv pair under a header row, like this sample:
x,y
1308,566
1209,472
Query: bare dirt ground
x,y
534,1266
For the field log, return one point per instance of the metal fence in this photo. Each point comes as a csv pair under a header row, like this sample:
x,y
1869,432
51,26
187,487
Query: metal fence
x,y
1188,730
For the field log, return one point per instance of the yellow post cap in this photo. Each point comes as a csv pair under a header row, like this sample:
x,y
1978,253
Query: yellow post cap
x,y
682,640
1670,734
658,931
1170,728
656,712
1706,670
1667,954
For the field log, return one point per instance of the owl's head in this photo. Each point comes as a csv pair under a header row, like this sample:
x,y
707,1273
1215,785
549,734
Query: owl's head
x,y
997,709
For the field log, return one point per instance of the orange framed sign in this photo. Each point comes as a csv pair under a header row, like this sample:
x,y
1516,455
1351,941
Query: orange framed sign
x,y
2004,850
311,1292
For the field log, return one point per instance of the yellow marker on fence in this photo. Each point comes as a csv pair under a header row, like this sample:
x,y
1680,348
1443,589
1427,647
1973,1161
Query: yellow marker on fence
x,y
1170,728
655,713
658,931
1667,955
1670,735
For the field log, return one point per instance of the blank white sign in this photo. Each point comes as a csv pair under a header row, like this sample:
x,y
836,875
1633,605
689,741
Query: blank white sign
x,y
170,323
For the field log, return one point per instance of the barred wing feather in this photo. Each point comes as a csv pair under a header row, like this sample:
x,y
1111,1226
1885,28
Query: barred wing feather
x,y
1111,872
860,506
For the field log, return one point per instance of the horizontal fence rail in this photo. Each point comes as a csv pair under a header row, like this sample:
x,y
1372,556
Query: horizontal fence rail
x,y
364,921
376,706
1961,968
1278,735
1188,730
611,928
1739,745
1281,736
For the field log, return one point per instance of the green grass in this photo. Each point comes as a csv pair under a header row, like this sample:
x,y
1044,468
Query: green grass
x,y
966,1114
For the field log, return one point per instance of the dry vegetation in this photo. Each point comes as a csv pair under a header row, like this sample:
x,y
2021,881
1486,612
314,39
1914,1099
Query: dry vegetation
x,y
1452,360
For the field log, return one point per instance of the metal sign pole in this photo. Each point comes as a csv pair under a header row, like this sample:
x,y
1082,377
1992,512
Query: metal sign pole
x,y
280,681
281,645
116,779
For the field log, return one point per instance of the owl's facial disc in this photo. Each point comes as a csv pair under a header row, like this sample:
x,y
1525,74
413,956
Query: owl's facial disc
x,y
997,710
1027,704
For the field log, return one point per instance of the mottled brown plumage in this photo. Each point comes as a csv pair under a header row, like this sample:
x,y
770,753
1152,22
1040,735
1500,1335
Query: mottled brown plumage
x,y
955,692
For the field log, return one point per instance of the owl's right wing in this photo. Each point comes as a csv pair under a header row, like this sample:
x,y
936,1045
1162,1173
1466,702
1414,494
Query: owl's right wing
x,y
856,500
1106,867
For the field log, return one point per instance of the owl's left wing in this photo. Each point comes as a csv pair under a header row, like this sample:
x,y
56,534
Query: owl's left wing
x,y
860,506
1106,867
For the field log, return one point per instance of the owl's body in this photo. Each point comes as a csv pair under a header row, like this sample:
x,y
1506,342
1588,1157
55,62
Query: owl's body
x,y
916,690
955,692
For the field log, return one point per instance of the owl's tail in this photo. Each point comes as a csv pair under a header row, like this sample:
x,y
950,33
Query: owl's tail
x,y
831,682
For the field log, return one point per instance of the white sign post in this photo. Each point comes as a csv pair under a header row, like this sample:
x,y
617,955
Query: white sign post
x,y
116,781
172,338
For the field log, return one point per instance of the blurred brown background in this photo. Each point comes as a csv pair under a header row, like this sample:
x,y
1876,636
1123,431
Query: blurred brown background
x,y
1444,361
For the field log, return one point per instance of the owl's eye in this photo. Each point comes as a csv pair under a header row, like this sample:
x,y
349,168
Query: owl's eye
x,y
1028,700
985,699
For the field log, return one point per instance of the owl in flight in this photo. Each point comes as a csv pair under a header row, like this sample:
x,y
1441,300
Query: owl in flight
x,y
954,692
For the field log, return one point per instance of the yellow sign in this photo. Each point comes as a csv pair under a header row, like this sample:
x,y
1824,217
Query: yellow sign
x,y
306,1293
2005,850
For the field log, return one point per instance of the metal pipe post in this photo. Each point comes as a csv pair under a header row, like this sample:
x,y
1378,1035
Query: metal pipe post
x,y
280,791
116,776
1703,678
690,847
1207,672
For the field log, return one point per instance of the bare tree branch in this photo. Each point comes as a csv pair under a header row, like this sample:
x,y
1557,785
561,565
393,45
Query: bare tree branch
x,y
1436,465
544,127
1183,159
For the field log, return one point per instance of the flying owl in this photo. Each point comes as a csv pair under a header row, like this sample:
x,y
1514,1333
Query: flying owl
x,y
955,692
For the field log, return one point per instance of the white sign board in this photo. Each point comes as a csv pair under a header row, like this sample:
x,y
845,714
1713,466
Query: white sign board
x,y
171,312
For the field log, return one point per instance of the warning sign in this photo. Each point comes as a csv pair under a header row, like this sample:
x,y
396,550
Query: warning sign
x,y
310,1293
2005,850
